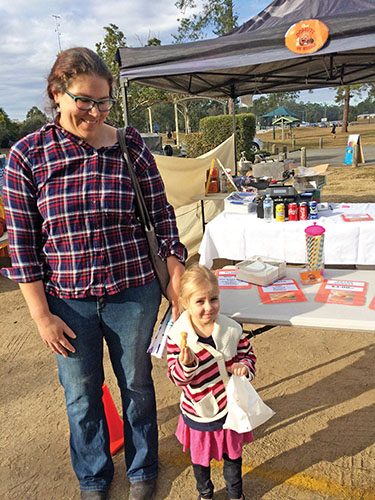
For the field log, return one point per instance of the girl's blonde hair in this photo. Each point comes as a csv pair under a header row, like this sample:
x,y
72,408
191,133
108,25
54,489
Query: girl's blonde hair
x,y
194,278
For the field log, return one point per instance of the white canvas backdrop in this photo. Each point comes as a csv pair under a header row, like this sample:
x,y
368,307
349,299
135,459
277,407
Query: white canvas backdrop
x,y
184,178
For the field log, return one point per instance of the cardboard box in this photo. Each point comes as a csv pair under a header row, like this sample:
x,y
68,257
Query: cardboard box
x,y
312,178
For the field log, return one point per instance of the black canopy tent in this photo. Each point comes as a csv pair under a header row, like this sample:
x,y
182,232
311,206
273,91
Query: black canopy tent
x,y
253,59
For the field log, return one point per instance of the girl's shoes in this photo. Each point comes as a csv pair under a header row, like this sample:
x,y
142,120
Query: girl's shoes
x,y
200,498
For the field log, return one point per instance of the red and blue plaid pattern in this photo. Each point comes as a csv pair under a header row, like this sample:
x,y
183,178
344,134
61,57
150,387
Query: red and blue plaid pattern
x,y
70,214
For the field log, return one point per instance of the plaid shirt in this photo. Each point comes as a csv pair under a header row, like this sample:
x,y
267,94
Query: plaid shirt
x,y
71,218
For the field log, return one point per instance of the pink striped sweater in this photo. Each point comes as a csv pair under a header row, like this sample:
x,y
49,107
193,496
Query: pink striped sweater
x,y
203,397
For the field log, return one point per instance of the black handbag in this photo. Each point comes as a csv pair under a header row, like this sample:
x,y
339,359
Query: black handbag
x,y
159,265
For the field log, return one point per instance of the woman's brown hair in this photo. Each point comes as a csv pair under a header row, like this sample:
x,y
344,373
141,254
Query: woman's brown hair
x,y
71,63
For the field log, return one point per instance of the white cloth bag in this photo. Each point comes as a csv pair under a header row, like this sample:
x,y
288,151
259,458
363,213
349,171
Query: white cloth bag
x,y
246,410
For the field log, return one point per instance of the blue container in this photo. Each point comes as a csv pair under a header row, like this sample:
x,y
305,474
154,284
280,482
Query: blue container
x,y
313,210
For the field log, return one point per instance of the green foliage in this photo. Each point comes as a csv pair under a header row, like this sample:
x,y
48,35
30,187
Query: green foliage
x,y
35,112
9,130
245,129
218,14
216,129
155,42
107,49
200,109
139,96
32,124
195,145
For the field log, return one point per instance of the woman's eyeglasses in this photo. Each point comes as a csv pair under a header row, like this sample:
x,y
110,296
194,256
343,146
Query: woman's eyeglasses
x,y
85,104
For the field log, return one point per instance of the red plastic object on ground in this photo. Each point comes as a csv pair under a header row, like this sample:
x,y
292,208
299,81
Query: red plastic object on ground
x,y
114,422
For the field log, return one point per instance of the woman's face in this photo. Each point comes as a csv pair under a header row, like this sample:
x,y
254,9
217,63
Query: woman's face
x,y
84,124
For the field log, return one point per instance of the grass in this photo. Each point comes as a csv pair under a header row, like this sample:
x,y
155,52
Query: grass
x,y
355,185
308,137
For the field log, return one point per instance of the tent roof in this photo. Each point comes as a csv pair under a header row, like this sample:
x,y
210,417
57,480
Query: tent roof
x,y
253,58
286,119
282,111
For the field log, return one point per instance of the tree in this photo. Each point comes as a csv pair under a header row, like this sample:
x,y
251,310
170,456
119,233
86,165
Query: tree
x,y
35,112
35,118
107,49
343,94
139,96
9,130
216,14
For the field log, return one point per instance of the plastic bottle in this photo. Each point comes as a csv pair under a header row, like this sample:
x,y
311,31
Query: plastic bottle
x,y
223,183
242,163
268,208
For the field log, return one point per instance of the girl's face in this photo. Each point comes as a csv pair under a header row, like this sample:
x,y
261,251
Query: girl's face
x,y
203,306
84,124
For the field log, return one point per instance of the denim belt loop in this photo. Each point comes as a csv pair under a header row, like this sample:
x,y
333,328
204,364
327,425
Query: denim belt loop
x,y
100,303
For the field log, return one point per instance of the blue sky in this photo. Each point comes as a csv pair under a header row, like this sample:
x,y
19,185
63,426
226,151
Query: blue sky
x,y
30,39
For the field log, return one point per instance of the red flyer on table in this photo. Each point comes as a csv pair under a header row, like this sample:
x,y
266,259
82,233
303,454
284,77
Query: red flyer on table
x,y
356,217
372,305
281,291
351,293
228,279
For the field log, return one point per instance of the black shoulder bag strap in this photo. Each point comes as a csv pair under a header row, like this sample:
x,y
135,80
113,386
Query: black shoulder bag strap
x,y
159,265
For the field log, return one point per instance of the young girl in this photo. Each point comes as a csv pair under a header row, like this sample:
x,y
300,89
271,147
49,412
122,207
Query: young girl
x,y
216,348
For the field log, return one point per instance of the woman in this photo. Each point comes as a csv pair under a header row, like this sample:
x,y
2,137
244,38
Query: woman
x,y
81,260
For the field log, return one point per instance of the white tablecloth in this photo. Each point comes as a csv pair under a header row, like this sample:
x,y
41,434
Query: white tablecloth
x,y
240,236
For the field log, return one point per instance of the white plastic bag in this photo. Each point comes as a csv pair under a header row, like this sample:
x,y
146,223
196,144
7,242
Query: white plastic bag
x,y
246,410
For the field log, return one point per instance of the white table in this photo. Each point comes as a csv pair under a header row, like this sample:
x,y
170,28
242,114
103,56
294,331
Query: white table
x,y
240,236
245,306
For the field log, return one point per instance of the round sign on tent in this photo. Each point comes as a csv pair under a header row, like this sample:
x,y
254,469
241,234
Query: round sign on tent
x,y
306,36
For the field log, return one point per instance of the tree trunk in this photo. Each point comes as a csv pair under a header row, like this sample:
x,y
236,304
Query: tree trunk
x,y
345,115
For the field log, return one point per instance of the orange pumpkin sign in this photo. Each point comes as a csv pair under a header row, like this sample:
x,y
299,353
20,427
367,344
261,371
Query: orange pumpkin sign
x,y
306,36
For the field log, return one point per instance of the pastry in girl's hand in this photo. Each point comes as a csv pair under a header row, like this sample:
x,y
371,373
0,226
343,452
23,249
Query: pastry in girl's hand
x,y
183,340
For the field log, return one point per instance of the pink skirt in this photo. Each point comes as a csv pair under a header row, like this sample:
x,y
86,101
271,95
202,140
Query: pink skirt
x,y
205,445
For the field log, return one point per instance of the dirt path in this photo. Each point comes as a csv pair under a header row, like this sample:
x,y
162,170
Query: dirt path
x,y
319,445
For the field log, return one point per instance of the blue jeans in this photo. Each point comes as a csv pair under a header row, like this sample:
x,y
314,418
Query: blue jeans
x,y
126,321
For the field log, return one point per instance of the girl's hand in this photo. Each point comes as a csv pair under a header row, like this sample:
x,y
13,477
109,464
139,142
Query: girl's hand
x,y
54,332
238,369
186,357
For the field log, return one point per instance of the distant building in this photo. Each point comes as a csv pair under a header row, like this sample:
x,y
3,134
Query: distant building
x,y
365,116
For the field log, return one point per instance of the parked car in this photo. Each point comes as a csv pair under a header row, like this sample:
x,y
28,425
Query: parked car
x,y
323,124
256,145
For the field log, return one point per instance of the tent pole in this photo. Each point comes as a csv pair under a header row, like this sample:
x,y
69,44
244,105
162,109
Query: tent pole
x,y
176,124
125,85
150,118
235,135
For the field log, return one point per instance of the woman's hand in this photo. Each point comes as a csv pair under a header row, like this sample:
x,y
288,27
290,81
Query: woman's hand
x,y
176,270
238,369
186,357
54,332
52,329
